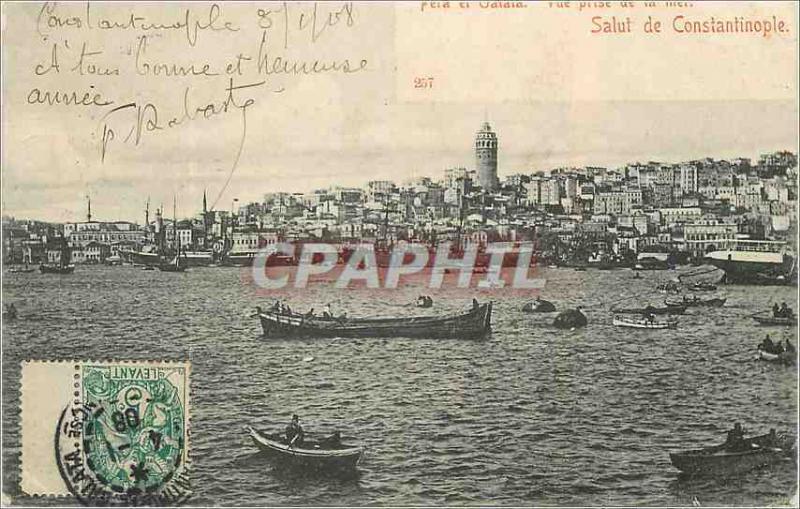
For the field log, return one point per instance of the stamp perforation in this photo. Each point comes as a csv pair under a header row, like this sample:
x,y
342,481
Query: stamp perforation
x,y
69,375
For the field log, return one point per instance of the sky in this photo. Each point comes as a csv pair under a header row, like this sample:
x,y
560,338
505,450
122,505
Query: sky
x,y
307,132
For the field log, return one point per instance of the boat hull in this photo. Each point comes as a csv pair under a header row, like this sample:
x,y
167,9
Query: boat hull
x,y
471,325
719,460
769,320
141,257
329,460
713,303
783,358
57,269
724,463
754,268
643,324
197,258
669,310
542,306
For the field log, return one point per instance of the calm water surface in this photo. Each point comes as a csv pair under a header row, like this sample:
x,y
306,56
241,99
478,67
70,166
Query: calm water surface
x,y
530,415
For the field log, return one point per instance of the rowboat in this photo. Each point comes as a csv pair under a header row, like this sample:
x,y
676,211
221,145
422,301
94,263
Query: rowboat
x,y
475,323
651,310
783,358
424,301
539,306
669,287
49,268
570,319
715,302
311,455
720,460
703,287
636,322
772,320
21,270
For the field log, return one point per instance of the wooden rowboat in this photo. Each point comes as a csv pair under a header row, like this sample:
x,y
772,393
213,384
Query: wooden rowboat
x,y
311,455
668,310
637,322
539,306
715,303
783,358
703,287
719,460
475,323
771,320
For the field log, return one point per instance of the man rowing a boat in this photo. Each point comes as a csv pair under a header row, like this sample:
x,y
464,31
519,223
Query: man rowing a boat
x,y
735,441
294,431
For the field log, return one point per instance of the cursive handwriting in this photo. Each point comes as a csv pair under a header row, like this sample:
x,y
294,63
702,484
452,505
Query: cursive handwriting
x,y
68,98
280,65
147,118
190,24
146,68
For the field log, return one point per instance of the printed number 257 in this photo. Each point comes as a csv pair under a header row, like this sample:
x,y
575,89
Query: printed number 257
x,y
425,82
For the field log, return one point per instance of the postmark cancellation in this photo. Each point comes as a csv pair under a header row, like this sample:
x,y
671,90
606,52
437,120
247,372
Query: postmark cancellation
x,y
106,431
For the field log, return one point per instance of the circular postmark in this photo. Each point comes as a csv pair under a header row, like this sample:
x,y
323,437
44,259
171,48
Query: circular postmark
x,y
123,439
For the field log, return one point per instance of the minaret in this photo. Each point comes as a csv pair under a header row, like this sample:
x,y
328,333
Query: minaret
x,y
486,158
89,211
205,207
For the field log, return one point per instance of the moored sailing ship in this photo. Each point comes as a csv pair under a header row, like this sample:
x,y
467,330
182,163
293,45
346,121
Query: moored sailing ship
x,y
63,266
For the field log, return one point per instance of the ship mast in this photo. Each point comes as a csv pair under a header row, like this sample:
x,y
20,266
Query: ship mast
x,y
175,231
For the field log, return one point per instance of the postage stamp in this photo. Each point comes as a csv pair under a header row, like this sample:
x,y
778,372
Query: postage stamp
x,y
106,432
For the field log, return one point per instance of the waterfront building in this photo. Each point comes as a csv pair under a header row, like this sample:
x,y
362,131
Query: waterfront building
x,y
83,233
96,252
708,234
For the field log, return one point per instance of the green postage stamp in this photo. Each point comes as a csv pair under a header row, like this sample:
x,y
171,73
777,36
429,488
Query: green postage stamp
x,y
106,430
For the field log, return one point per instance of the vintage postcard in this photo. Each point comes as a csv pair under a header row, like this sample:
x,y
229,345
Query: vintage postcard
x,y
413,253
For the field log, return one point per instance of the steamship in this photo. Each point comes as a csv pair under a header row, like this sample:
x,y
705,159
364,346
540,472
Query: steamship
x,y
756,262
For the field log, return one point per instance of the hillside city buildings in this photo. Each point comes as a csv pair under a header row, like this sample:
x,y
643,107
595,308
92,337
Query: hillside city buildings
x,y
688,207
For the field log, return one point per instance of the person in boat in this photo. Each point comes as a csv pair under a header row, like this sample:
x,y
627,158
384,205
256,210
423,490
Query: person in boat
x,y
786,311
776,310
790,347
294,431
326,311
735,441
767,345
310,313
277,306
475,304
